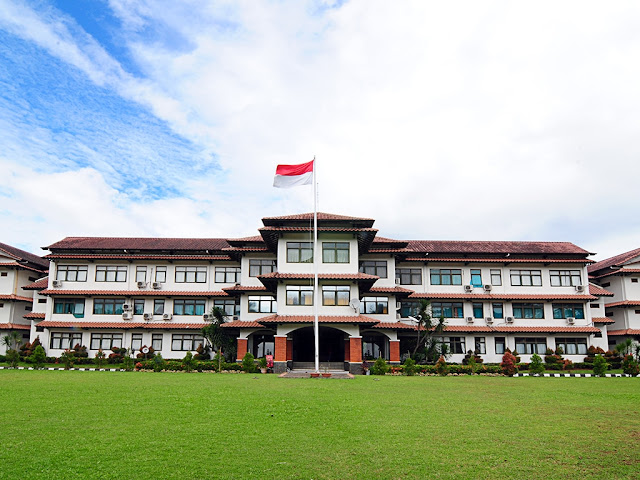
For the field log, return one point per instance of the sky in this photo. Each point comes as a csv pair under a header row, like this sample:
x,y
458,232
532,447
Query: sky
x,y
464,120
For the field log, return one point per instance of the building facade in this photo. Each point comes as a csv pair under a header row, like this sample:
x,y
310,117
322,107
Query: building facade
x,y
158,292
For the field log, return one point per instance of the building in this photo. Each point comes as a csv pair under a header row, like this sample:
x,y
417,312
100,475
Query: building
x,y
132,292
621,276
17,269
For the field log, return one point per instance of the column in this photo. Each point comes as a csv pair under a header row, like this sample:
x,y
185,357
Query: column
x,y
242,348
289,349
394,351
280,357
355,355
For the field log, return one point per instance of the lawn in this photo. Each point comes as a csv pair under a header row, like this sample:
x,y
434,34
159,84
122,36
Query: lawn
x,y
59,424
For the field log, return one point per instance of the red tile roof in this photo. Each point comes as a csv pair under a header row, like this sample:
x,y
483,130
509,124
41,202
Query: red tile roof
x,y
626,303
16,298
136,257
602,320
467,328
497,260
599,291
23,256
321,276
394,325
244,288
396,290
628,331
615,261
123,325
321,319
14,326
321,216
546,329
489,247
486,296
38,285
132,293
136,243
23,266
619,271
320,229
242,324
34,315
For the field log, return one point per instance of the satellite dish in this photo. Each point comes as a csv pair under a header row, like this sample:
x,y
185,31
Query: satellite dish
x,y
355,304
145,350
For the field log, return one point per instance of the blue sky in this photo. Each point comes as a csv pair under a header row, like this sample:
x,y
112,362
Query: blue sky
x,y
483,121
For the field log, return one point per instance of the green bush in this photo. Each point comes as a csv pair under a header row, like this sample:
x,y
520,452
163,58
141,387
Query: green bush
x,y
158,362
600,365
38,357
630,366
99,359
127,362
379,367
13,357
536,366
188,362
409,367
442,368
248,363
67,358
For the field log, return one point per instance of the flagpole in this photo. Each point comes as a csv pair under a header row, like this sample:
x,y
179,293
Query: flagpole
x,y
316,297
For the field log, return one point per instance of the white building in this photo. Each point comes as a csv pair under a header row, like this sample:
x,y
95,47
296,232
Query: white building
x,y
526,296
621,276
17,269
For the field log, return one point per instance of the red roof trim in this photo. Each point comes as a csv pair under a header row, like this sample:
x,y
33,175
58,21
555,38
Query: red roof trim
x,y
123,325
626,303
33,315
39,285
474,296
16,298
242,324
321,276
132,293
14,326
599,291
321,319
60,256
602,320
628,331
25,267
498,260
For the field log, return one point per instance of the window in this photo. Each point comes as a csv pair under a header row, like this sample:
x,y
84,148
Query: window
x,y
136,340
374,267
158,306
478,310
526,278
634,280
446,276
191,274
106,341
229,306
481,346
28,308
496,277
156,341
498,310
476,277
63,341
336,295
72,273
500,345
565,278
335,252
455,344
262,304
572,346
138,306
141,274
261,267
606,284
446,309
3,274
42,300
372,305
529,346
227,275
33,279
299,295
263,345
594,305
74,306
409,309
189,306
111,273
185,342
299,252
409,276
566,310
528,310
2,305
373,347
161,274
108,306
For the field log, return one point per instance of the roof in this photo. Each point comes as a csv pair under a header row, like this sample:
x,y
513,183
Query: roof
x,y
497,260
37,269
628,331
617,271
14,326
321,276
34,315
92,256
507,296
603,320
242,324
599,291
546,329
138,243
615,261
308,217
496,247
122,325
16,298
21,255
393,290
131,293
321,319
626,303
38,285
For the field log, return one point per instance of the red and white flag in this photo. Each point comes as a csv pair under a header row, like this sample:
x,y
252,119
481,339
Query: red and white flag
x,y
293,175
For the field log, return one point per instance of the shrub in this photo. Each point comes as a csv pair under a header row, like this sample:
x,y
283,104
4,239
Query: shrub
x,y
380,367
99,358
409,367
158,363
13,357
262,361
508,364
148,355
630,366
80,351
38,357
127,362
3,358
202,353
600,365
536,365
67,358
188,362
441,366
248,363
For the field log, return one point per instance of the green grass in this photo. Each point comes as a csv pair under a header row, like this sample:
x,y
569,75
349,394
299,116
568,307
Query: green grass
x,y
171,425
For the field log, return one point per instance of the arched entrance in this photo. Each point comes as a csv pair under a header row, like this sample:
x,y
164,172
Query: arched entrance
x,y
331,345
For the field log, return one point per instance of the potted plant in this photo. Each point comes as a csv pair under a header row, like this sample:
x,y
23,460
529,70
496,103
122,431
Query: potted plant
x,y
263,364
365,368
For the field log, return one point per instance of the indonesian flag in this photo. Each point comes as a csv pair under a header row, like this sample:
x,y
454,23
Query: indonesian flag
x,y
293,175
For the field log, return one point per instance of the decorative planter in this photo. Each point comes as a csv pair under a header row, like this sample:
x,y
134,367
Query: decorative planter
x,y
326,375
263,370
314,375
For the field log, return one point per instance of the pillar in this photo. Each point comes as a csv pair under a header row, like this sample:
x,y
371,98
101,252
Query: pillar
x,y
394,351
242,348
347,350
289,349
355,355
280,357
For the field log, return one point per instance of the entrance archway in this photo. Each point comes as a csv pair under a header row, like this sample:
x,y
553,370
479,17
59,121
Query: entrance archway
x,y
331,345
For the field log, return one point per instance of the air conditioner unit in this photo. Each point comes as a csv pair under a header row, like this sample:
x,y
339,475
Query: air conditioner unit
x,y
469,319
156,285
579,288
397,281
489,320
126,306
142,284
571,320
57,283
167,316
487,288
206,316
127,316
148,316
468,288
509,319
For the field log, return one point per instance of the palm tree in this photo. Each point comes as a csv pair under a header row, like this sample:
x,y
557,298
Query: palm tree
x,y
12,340
215,335
427,327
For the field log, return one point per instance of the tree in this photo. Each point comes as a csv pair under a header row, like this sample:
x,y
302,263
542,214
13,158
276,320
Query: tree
x,y
508,363
536,365
600,365
38,357
426,329
12,340
215,334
